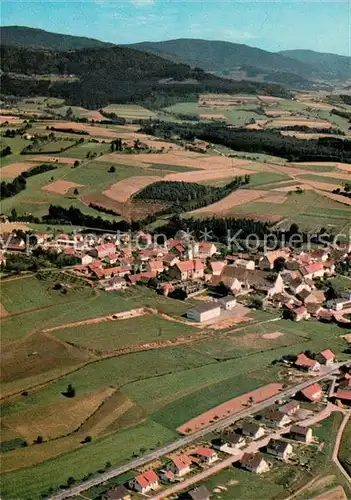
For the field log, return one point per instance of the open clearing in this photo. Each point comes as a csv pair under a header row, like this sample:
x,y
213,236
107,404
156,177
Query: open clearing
x,y
123,190
114,335
293,122
273,199
58,419
239,197
230,407
12,120
3,311
14,169
61,187
337,493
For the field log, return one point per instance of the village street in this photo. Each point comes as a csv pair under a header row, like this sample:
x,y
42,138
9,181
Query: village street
x,y
253,447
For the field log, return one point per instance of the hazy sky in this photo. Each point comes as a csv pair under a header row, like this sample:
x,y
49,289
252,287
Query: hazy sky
x,y
278,25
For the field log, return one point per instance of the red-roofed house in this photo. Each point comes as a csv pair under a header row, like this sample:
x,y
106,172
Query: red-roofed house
x,y
305,363
267,261
187,269
217,267
326,357
166,288
179,465
312,392
169,259
300,313
315,270
111,258
205,455
145,482
206,249
134,278
103,250
344,395
155,265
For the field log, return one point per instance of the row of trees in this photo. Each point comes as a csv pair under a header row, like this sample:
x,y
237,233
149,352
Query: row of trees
x,y
257,141
19,183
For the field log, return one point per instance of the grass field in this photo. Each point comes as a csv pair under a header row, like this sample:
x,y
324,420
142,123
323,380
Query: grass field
x,y
31,293
117,334
264,179
129,111
310,210
30,483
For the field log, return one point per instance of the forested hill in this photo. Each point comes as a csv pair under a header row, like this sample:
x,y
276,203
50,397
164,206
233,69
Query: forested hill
x,y
334,65
22,36
116,74
212,55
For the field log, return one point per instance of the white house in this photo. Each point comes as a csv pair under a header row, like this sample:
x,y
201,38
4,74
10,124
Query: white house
x,y
303,434
276,418
326,357
253,430
254,462
279,449
204,312
228,302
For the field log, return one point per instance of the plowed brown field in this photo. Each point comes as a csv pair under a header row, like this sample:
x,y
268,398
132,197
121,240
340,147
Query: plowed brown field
x,y
123,190
230,407
61,187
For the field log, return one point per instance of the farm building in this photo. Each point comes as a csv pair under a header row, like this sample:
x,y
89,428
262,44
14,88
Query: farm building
x,y
228,302
303,434
338,304
102,251
279,448
254,462
204,312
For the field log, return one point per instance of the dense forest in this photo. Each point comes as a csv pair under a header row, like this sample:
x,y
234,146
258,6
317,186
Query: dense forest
x,y
186,196
117,74
256,141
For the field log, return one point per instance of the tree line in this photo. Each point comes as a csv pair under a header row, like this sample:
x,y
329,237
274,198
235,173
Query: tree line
x,y
19,183
269,142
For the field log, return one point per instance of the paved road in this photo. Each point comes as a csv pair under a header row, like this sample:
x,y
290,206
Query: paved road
x,y
253,447
186,440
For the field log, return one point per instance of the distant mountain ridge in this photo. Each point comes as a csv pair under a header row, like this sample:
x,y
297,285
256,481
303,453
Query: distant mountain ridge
x,y
98,76
294,68
324,63
22,36
222,56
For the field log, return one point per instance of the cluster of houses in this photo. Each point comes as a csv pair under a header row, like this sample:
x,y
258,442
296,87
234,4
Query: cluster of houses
x,y
284,278
271,432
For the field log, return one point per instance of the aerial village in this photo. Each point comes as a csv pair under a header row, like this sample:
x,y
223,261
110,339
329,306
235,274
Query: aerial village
x,y
222,282
268,427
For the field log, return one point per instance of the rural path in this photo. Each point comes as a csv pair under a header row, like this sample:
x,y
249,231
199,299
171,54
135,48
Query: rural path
x,y
337,445
253,447
184,441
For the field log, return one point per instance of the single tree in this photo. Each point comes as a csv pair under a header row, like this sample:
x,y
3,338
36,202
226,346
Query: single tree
x,y
76,192
76,163
112,169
